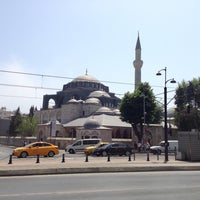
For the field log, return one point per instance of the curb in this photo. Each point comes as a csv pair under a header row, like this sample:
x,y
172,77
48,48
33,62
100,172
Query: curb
x,y
47,171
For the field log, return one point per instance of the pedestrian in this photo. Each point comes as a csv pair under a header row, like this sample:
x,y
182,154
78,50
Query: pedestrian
x,y
25,143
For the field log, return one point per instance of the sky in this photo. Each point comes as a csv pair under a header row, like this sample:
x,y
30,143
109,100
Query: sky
x,y
58,40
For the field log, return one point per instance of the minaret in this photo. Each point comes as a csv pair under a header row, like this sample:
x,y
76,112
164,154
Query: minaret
x,y
137,63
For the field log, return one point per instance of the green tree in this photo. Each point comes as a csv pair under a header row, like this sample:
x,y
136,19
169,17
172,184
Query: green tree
x,y
29,123
15,123
134,104
28,126
31,112
187,100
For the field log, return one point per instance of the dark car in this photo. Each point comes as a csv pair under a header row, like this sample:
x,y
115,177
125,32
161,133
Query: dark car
x,y
113,149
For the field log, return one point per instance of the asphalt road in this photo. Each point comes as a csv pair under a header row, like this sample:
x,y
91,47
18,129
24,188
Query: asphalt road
x,y
113,186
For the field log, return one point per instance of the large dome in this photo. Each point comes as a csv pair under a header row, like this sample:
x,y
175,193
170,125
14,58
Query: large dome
x,y
86,78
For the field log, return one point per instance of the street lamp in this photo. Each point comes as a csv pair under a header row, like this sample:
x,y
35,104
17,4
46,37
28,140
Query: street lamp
x,y
165,109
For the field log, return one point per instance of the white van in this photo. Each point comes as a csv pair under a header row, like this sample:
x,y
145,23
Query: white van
x,y
81,144
160,148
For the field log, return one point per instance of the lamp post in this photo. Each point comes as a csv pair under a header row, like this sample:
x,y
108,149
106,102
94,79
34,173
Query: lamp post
x,y
144,113
165,109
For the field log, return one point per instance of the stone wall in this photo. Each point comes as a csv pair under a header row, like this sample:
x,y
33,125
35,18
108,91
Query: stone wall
x,y
19,141
60,142
189,145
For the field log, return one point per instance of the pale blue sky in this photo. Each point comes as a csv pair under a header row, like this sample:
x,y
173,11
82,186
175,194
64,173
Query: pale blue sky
x,y
66,37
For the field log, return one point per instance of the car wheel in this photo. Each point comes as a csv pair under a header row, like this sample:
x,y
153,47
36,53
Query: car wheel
x,y
71,151
154,152
24,154
51,154
104,153
158,152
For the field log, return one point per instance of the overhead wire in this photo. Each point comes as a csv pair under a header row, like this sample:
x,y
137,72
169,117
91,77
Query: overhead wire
x,y
51,76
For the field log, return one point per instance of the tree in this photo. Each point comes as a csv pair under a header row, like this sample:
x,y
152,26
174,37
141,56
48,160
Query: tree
x,y
28,126
31,112
15,123
133,105
187,100
29,123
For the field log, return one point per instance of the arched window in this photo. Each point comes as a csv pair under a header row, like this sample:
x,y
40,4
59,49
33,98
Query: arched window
x,y
125,134
51,103
118,135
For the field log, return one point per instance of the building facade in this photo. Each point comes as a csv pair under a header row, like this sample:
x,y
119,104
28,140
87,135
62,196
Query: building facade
x,y
85,108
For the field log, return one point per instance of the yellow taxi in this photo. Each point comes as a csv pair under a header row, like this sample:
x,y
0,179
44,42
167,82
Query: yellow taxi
x,y
89,150
36,148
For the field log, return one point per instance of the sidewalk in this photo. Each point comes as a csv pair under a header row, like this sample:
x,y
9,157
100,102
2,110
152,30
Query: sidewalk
x,y
82,164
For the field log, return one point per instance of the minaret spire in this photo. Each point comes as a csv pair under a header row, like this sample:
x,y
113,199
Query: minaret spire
x,y
137,63
138,46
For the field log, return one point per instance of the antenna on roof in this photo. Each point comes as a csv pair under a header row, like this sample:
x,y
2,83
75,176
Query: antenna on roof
x,y
86,72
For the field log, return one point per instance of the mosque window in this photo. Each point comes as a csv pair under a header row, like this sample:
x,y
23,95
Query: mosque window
x,y
118,135
125,134
51,103
113,135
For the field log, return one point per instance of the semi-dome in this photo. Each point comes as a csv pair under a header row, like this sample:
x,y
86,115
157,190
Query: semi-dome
x,y
91,124
72,101
85,78
104,110
92,101
99,93
116,112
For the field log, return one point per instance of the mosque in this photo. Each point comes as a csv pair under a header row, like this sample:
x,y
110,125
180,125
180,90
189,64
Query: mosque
x,y
85,108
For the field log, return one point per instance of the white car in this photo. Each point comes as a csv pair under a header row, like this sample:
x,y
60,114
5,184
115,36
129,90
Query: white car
x,y
81,144
160,148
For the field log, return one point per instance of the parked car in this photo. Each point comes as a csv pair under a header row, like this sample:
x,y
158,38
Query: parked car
x,y
113,149
160,148
81,144
90,149
36,148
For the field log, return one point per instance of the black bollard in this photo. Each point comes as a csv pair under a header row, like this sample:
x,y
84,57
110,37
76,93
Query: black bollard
x,y
38,159
63,158
148,156
157,156
129,157
175,153
10,160
108,158
86,157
